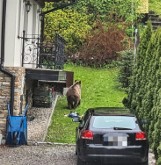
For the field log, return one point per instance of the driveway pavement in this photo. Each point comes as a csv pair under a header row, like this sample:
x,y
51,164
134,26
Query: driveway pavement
x,y
38,155
43,154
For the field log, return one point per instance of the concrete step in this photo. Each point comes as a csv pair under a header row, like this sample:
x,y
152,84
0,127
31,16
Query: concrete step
x,y
155,19
154,23
153,15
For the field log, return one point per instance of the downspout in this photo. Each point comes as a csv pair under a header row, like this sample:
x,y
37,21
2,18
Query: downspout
x,y
2,57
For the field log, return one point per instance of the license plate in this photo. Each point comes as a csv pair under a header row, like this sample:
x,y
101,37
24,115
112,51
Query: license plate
x,y
116,140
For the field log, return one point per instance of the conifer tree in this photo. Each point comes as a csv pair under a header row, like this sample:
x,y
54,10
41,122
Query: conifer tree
x,y
155,113
134,97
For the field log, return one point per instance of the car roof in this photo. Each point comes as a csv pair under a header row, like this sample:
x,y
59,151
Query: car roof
x,y
117,111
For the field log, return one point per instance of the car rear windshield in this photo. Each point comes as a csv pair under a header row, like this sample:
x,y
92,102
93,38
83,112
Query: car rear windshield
x,y
114,122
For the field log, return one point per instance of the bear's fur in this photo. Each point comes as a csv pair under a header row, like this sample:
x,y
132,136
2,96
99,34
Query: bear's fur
x,y
74,95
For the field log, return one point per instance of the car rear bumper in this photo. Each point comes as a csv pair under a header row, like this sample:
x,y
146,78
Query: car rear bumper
x,y
129,155
114,159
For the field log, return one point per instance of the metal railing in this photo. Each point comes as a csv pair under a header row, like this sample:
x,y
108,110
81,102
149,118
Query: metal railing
x,y
49,54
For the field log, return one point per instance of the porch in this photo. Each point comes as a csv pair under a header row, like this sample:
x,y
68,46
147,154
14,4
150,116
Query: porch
x,y
49,54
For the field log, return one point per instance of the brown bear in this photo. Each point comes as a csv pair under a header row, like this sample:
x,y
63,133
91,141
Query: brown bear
x,y
74,95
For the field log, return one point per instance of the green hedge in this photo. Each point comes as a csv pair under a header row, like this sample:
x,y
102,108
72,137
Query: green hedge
x,y
144,95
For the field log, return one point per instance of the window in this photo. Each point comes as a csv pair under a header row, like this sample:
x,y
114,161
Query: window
x,y
114,121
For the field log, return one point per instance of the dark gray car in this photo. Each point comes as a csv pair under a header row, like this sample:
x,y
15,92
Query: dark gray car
x,y
111,136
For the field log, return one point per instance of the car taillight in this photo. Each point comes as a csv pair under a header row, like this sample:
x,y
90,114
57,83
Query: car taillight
x,y
87,134
140,136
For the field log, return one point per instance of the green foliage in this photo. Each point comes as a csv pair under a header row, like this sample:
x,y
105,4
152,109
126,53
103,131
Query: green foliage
x,y
103,46
144,96
155,112
107,9
76,22
99,88
159,161
126,63
159,153
137,82
155,5
70,24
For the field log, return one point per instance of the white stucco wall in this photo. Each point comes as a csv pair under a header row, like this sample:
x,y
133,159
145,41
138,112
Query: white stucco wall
x,y
17,20
11,32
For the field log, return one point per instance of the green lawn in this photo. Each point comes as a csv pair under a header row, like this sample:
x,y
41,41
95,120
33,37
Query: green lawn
x,y
99,88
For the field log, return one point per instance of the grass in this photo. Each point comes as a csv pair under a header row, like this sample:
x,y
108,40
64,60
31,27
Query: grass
x,y
99,88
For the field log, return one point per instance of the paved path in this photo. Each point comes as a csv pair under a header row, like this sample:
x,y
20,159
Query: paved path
x,y
43,154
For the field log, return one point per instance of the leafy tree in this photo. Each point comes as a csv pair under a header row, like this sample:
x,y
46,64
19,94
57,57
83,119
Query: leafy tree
x,y
76,22
70,24
106,8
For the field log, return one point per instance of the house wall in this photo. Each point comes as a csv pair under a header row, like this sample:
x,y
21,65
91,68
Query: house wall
x,y
5,87
11,33
17,21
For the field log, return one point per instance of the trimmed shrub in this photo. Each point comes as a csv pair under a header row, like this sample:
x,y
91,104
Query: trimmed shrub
x,y
126,62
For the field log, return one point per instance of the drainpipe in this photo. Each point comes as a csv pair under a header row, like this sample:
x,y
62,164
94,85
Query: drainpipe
x,y
2,57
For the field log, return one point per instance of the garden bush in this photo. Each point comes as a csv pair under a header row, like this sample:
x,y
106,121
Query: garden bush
x,y
102,46
126,63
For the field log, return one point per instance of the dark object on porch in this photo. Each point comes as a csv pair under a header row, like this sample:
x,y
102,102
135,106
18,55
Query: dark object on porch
x,y
42,97
58,79
16,128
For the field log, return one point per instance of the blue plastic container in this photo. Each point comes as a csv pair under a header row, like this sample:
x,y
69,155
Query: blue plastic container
x,y
16,129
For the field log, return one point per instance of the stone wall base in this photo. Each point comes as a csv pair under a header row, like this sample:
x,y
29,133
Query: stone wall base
x,y
5,95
